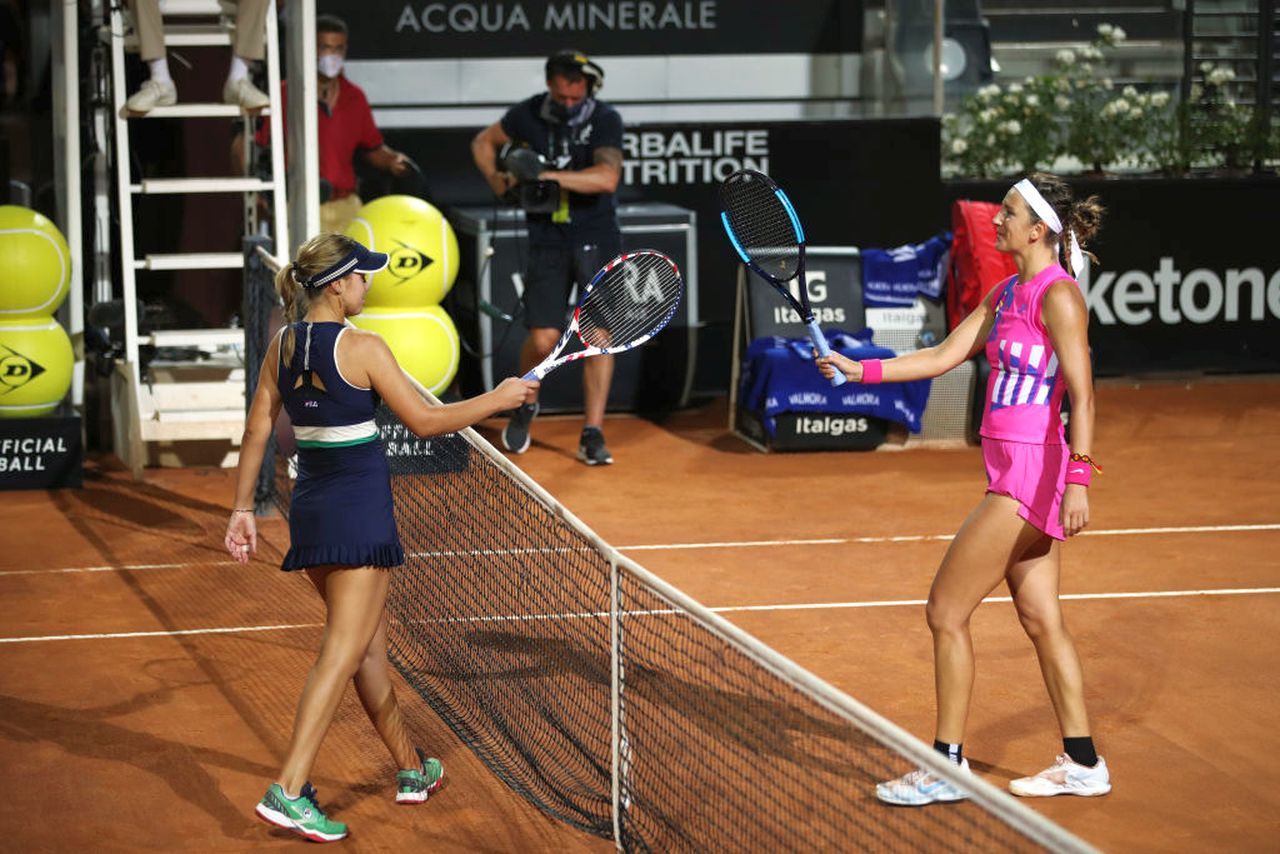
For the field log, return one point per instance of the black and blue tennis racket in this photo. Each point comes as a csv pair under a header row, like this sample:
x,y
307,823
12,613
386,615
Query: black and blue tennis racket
x,y
625,304
767,235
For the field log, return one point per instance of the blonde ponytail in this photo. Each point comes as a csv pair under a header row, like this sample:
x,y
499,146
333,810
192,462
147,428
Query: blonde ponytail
x,y
314,257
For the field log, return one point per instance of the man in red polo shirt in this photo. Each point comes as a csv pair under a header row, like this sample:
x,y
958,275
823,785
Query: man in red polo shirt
x,y
344,126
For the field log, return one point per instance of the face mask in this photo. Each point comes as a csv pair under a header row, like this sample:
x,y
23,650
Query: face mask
x,y
565,114
330,65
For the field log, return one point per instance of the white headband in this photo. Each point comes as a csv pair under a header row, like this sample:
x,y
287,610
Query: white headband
x,y
1045,211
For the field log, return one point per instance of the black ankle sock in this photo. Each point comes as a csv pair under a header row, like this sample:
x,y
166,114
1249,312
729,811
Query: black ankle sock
x,y
1081,750
954,752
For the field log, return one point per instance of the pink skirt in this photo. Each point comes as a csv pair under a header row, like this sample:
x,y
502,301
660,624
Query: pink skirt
x,y
1032,475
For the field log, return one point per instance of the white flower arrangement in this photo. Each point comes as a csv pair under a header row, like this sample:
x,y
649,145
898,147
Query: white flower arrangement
x,y
1078,112
1220,75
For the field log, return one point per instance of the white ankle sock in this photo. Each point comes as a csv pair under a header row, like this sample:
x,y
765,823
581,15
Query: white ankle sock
x,y
239,69
160,70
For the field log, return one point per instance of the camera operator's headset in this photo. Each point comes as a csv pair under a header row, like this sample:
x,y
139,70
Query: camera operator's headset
x,y
576,62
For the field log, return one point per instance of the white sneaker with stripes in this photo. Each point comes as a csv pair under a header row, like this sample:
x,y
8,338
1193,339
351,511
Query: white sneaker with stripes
x,y
1065,777
920,787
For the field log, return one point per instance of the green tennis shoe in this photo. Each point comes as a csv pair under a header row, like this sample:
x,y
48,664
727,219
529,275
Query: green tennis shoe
x,y
302,814
415,785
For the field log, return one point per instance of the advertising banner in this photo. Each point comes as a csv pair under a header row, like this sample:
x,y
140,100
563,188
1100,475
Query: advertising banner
x,y
421,29
40,453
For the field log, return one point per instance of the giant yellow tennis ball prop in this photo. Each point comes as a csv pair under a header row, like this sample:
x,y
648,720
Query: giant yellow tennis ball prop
x,y
422,246
35,367
37,264
424,341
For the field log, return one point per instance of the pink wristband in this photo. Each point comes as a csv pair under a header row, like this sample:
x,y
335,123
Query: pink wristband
x,y
872,372
1078,472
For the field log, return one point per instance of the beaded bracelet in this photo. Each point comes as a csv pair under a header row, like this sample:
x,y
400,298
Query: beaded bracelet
x,y
1081,475
1085,458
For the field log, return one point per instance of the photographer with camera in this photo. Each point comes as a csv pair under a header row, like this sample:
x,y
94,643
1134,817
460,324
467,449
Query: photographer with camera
x,y
558,154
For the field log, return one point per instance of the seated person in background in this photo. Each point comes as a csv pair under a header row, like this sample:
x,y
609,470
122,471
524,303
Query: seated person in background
x,y
246,46
344,126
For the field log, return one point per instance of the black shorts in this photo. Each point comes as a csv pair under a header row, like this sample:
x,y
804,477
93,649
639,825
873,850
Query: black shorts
x,y
552,273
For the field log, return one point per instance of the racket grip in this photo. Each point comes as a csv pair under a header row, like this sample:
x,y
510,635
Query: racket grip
x,y
820,344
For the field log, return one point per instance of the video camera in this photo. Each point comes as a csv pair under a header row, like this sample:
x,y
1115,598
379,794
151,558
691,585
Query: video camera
x,y
530,192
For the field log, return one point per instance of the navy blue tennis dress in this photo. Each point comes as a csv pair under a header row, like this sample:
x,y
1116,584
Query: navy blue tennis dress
x,y
341,510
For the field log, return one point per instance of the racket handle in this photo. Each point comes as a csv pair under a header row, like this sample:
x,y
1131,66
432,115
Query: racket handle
x,y
820,344
533,375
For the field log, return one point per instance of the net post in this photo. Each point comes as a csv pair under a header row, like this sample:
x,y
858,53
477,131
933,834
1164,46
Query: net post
x,y
615,700
258,301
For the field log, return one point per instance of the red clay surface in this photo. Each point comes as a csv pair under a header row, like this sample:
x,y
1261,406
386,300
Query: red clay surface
x,y
165,742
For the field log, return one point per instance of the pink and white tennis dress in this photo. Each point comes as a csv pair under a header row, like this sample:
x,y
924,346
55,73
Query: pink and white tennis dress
x,y
1023,445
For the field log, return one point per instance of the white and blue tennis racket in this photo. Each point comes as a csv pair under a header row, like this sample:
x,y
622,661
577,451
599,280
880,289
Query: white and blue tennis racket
x,y
625,304
767,235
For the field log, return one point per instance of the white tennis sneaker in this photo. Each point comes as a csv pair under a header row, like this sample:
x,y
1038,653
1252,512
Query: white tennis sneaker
x,y
920,787
1065,777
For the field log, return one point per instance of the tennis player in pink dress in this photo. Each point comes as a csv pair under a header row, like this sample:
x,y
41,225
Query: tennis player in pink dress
x,y
1034,328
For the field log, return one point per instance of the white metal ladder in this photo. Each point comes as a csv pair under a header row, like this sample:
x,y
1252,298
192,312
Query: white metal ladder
x,y
175,405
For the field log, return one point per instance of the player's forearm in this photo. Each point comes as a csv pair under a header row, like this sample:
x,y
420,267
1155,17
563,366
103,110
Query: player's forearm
x,y
600,178
917,365
434,420
1082,415
253,448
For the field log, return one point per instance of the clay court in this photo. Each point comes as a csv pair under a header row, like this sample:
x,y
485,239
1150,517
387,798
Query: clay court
x,y
147,683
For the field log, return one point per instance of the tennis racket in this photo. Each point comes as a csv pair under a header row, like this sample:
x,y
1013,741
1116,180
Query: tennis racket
x,y
767,235
625,304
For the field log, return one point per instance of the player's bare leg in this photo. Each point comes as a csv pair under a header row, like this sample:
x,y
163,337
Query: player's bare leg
x,y
988,543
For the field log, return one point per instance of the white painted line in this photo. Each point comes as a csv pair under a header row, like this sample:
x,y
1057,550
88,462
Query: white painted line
x,y
166,634
728,609
917,538
754,544
1152,594
129,567
732,544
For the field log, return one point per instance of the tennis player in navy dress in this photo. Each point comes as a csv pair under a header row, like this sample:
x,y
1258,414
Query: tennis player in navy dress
x,y
341,511
329,377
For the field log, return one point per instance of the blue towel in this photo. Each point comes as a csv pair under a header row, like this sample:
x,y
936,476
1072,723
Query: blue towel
x,y
933,256
779,376
892,278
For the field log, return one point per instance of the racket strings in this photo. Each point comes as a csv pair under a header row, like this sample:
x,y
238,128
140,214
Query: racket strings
x,y
761,224
632,301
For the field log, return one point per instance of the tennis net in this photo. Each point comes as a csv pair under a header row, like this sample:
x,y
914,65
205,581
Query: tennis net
x,y
617,704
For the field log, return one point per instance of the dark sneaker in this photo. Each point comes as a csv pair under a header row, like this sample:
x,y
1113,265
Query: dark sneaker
x,y
302,814
415,785
591,449
515,436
